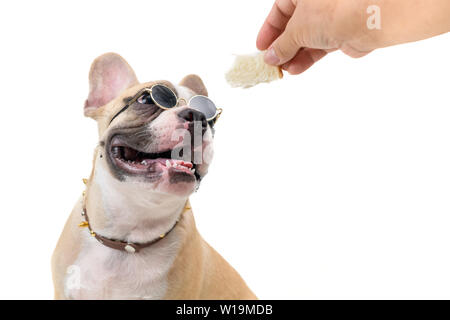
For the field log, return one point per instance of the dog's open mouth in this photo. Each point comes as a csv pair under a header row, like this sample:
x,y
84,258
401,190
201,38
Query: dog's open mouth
x,y
138,162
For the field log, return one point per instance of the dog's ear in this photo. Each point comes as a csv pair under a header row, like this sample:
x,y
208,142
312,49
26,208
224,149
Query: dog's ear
x,y
110,74
194,83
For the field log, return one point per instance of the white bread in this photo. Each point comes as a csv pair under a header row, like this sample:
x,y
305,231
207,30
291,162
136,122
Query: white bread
x,y
249,70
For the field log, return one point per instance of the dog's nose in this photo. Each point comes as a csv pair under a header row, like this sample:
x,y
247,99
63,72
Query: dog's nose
x,y
192,116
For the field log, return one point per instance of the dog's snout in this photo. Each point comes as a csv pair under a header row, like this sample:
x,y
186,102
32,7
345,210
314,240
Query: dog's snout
x,y
192,116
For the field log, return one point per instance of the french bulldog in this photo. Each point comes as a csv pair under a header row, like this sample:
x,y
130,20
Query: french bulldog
x,y
131,234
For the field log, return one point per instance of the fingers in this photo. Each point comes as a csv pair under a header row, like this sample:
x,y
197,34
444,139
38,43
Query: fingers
x,y
303,60
275,23
285,47
266,35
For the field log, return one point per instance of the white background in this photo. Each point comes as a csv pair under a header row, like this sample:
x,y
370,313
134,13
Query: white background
x,y
331,184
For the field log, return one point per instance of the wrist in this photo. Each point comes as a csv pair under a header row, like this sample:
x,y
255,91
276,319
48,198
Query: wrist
x,y
355,25
402,21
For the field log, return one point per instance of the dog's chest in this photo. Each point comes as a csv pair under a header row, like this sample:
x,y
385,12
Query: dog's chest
x,y
103,273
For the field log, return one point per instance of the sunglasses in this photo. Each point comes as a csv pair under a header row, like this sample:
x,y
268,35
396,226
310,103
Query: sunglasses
x,y
164,97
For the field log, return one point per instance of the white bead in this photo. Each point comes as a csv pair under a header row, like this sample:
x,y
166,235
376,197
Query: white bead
x,y
130,249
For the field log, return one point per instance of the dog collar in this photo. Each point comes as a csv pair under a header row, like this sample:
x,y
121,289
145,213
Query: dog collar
x,y
130,247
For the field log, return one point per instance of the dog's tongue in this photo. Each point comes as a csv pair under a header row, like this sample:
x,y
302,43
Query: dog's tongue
x,y
178,163
184,164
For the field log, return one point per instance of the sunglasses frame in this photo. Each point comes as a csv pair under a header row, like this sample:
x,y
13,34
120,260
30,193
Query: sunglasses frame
x,y
149,91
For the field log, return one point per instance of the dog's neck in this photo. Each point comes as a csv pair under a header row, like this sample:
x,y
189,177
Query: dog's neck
x,y
129,212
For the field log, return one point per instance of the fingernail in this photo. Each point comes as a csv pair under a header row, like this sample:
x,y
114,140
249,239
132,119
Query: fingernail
x,y
271,57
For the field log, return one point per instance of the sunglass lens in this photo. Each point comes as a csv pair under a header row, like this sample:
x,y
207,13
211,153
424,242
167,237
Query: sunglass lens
x,y
164,96
204,105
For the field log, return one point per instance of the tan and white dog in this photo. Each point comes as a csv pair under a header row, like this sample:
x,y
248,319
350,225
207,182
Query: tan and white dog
x,y
132,246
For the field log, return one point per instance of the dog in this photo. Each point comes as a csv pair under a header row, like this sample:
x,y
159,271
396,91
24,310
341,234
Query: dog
x,y
132,234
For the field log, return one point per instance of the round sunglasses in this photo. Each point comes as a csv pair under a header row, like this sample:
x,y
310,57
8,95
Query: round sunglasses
x,y
165,98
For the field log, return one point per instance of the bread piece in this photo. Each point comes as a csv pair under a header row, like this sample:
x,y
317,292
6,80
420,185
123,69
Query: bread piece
x,y
249,70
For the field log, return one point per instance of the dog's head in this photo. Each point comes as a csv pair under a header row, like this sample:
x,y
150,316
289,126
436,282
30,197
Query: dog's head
x,y
144,146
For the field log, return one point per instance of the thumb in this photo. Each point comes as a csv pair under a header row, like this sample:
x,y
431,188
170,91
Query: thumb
x,y
285,47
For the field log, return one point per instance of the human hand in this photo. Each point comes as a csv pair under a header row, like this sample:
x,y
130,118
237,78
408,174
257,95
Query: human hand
x,y
298,33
